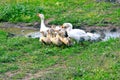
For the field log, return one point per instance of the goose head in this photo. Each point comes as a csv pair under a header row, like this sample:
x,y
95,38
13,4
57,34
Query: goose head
x,y
51,32
41,16
67,26
43,33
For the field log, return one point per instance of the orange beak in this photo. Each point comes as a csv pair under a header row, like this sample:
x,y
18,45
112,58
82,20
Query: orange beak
x,y
38,14
62,26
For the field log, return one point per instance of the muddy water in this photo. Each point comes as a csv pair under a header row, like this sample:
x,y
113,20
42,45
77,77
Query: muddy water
x,y
25,31
34,33
18,31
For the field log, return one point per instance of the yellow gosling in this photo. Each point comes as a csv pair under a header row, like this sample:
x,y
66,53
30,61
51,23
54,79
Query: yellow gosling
x,y
44,39
64,38
55,39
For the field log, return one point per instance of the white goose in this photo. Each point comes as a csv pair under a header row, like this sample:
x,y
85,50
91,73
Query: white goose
x,y
76,34
42,26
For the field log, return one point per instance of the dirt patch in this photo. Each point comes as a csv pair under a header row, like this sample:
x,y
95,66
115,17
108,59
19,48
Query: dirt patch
x,y
99,28
41,73
10,74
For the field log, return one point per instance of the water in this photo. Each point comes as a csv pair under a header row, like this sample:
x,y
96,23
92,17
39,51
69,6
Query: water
x,y
33,35
27,32
109,35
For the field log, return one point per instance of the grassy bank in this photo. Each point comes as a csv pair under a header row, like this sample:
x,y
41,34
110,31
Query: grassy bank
x,y
77,12
23,58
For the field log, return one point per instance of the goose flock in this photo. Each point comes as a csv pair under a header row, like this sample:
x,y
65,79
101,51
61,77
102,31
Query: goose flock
x,y
64,34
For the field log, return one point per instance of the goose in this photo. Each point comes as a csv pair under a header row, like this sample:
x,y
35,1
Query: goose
x,y
77,34
62,34
42,25
56,28
45,40
54,37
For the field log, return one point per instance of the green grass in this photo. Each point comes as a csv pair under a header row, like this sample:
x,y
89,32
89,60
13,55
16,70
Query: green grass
x,y
21,56
78,12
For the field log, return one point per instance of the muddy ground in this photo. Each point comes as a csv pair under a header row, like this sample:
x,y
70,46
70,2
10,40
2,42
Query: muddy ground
x,y
36,25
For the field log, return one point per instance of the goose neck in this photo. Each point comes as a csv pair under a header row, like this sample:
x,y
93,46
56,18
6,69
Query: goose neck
x,y
42,23
69,29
